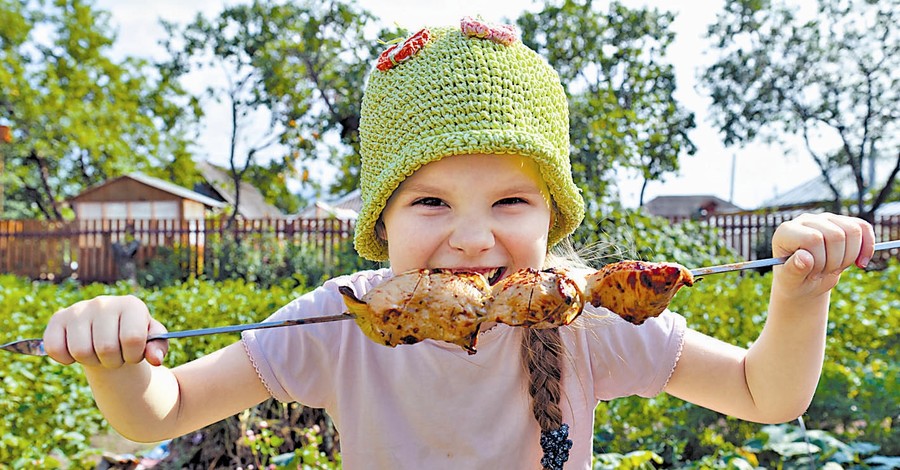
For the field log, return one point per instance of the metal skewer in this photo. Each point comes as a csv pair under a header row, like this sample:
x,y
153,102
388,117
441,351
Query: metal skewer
x,y
762,263
35,347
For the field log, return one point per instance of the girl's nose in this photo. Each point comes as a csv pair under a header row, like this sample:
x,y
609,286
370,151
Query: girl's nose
x,y
472,236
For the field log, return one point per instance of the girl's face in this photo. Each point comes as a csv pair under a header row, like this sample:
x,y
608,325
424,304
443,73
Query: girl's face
x,y
483,213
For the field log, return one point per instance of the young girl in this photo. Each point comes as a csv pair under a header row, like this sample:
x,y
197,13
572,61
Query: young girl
x,y
464,136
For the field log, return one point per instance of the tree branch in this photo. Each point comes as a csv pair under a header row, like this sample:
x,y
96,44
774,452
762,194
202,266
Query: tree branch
x,y
887,189
52,211
820,162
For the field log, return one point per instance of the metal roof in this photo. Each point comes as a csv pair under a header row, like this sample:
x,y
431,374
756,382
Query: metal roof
x,y
253,205
174,189
816,191
688,205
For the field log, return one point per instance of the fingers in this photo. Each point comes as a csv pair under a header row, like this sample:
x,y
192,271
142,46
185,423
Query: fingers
x,y
106,331
156,350
823,244
866,247
105,343
55,340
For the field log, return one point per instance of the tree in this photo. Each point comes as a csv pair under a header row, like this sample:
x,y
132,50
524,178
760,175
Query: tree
x,y
78,117
301,64
829,78
622,110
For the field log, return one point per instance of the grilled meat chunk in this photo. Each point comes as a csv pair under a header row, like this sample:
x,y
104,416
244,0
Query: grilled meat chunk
x,y
413,306
451,306
636,290
536,299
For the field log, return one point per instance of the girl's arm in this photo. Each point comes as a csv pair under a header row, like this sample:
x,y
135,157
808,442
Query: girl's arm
x,y
141,399
774,380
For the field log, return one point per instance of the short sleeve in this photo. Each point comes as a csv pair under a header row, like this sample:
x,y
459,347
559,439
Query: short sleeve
x,y
295,363
626,359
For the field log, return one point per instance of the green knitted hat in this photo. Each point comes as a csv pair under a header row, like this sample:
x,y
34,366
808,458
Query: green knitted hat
x,y
452,91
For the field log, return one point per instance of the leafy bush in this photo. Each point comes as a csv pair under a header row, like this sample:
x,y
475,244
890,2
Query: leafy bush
x,y
857,398
47,409
636,235
259,258
49,415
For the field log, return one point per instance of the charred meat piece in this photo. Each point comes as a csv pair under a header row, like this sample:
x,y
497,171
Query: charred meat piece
x,y
451,306
536,299
636,290
413,306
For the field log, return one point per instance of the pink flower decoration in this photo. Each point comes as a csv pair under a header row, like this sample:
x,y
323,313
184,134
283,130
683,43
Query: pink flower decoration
x,y
505,34
402,52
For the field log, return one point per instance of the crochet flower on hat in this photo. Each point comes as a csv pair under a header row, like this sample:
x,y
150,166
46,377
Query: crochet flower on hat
x,y
505,34
402,52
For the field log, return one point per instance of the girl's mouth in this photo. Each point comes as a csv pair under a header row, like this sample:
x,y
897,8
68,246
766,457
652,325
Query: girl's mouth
x,y
494,275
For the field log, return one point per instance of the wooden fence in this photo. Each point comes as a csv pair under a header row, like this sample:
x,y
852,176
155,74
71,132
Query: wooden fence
x,y
88,250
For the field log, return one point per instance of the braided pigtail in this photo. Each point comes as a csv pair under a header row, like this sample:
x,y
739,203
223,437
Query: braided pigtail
x,y
542,356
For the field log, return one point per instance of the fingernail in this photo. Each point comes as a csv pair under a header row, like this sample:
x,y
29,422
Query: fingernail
x,y
864,262
159,356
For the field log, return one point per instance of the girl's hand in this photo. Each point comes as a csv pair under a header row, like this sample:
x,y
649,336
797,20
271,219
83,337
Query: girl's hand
x,y
820,247
106,331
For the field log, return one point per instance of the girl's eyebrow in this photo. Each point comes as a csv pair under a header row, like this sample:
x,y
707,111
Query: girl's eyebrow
x,y
522,188
419,188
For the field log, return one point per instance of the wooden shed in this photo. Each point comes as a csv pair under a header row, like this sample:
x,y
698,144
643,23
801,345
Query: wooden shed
x,y
137,196
120,224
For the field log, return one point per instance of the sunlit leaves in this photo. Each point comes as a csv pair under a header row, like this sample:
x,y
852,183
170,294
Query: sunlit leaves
x,y
291,76
77,115
621,93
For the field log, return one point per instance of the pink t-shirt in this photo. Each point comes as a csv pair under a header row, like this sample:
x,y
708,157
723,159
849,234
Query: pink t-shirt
x,y
432,405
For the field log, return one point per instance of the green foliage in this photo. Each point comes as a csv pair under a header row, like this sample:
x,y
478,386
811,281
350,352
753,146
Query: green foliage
x,y
49,414
637,460
862,367
47,409
856,402
630,234
623,112
77,116
272,435
259,258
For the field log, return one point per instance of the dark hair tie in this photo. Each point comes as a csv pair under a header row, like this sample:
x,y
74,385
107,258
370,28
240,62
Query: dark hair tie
x,y
556,445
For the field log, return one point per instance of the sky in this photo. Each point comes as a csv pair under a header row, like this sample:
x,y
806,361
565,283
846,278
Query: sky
x,y
746,176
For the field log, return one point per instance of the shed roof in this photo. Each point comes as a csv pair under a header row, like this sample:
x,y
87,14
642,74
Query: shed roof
x,y
156,183
346,207
252,206
889,209
815,191
688,205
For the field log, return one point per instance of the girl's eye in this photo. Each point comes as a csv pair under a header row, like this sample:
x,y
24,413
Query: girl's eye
x,y
428,201
508,201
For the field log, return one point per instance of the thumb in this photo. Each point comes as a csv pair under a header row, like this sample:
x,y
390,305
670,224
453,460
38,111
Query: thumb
x,y
797,267
156,350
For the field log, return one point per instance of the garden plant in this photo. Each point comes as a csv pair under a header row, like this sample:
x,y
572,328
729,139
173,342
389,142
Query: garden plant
x,y
50,421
